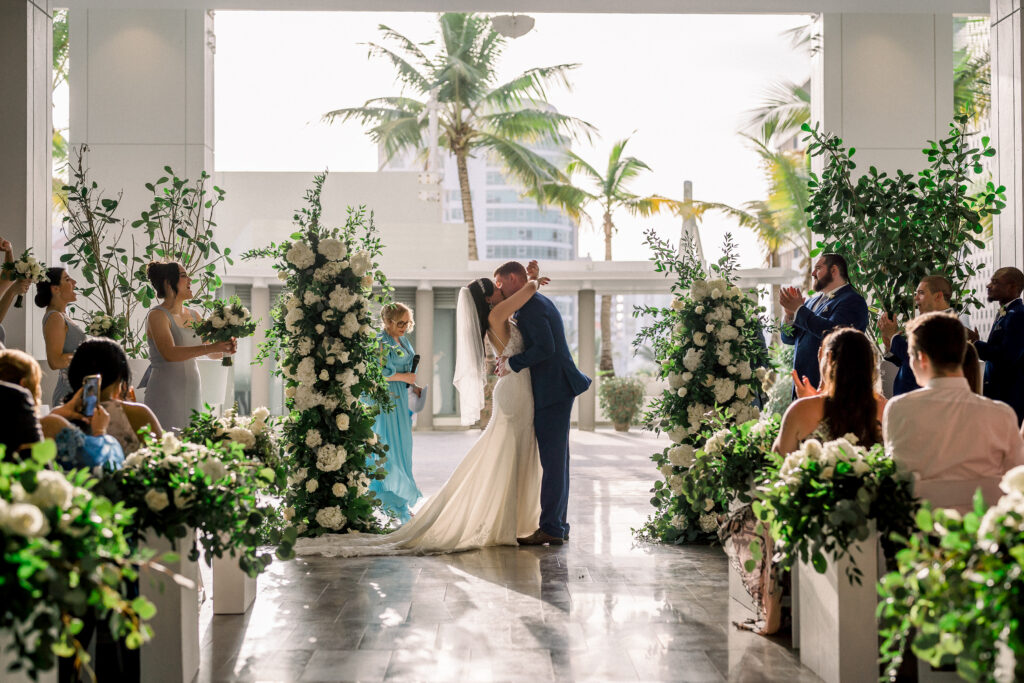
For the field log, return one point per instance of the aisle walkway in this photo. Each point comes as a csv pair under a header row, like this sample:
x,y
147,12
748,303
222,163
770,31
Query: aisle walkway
x,y
599,608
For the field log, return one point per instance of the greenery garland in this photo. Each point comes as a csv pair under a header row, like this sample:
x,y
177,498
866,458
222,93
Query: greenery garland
x,y
323,339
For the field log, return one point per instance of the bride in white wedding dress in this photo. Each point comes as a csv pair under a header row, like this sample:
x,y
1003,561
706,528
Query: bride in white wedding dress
x,y
494,494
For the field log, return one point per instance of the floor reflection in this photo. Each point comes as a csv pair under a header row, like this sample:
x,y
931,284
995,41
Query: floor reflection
x,y
599,608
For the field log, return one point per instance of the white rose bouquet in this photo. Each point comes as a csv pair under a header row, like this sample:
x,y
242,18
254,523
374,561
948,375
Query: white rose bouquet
x,y
103,325
25,267
826,497
225,320
212,488
66,557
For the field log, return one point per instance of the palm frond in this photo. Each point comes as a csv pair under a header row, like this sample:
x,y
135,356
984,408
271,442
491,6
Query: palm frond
x,y
566,197
531,85
407,73
405,44
526,167
577,164
784,108
531,125
648,206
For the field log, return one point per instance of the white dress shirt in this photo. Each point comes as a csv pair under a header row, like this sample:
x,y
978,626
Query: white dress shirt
x,y
953,441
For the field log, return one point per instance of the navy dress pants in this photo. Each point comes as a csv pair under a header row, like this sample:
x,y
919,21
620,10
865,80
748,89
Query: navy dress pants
x,y
551,425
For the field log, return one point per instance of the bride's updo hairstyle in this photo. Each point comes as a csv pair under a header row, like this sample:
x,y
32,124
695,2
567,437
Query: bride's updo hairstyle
x,y
163,275
480,289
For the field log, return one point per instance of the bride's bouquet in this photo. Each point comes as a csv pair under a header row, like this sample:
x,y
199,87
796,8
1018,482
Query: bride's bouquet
x,y
226,319
26,267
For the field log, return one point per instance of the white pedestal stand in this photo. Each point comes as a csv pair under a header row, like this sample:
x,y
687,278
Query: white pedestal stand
x,y
214,377
838,629
172,656
233,590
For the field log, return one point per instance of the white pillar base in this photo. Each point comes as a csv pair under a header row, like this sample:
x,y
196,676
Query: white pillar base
x,y
173,654
234,591
838,629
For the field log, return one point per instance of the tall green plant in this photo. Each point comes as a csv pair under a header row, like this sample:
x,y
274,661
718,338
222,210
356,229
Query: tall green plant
x,y
896,229
179,223
457,80
103,251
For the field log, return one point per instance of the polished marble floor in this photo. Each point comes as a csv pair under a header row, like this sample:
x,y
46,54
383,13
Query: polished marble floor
x,y
601,607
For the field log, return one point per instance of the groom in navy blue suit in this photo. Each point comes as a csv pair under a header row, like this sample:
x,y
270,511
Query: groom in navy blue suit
x,y
556,383
806,323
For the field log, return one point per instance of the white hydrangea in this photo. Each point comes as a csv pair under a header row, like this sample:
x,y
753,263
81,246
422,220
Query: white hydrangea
x,y
728,333
693,359
312,485
361,262
333,249
1013,480
310,297
700,338
52,490
292,319
288,512
677,434
675,380
667,471
305,373
743,368
678,304
678,522
708,522
300,255
241,436
24,519
328,272
681,455
724,390
675,484
330,458
313,438
341,299
698,290
305,346
330,517
213,468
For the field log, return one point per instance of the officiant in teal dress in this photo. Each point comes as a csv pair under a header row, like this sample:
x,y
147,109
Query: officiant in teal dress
x,y
398,491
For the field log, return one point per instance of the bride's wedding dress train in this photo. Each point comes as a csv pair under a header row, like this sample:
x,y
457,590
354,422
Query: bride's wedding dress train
x,y
492,497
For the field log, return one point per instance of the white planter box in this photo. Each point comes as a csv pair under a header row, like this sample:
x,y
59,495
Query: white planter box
x,y
837,626
6,658
172,656
214,377
233,590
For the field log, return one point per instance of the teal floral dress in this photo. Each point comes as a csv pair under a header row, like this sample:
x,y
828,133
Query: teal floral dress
x,y
398,491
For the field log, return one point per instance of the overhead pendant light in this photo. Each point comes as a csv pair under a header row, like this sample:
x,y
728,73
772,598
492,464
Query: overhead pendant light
x,y
512,25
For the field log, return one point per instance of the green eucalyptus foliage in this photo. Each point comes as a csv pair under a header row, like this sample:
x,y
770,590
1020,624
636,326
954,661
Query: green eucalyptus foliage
x,y
324,343
65,557
896,229
957,595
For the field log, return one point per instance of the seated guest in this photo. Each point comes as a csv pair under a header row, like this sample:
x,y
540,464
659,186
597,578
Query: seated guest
x,y
106,358
846,403
20,426
75,448
952,440
933,294
1003,351
806,323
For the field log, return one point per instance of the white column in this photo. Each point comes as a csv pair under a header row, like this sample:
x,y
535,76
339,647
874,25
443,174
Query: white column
x,y
424,315
26,39
1007,124
884,84
142,96
260,383
587,330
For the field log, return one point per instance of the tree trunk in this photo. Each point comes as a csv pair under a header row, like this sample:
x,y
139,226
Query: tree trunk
x,y
467,205
773,262
606,364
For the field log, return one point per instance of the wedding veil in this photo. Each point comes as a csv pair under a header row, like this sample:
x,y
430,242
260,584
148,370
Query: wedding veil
x,y
469,359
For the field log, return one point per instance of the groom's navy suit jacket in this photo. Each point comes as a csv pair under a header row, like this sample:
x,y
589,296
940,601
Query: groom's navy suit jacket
x,y
815,319
553,375
1003,354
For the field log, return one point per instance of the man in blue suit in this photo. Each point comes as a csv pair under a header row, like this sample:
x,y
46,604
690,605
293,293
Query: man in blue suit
x,y
1003,353
556,383
806,323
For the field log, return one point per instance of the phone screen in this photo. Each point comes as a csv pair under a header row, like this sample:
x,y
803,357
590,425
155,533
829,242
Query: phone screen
x,y
90,394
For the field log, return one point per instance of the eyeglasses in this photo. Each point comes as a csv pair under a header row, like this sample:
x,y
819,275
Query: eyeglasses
x,y
402,324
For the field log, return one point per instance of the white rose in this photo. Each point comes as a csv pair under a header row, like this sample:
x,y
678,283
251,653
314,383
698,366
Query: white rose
x,y
678,304
324,375
218,323
288,513
52,490
339,489
320,329
828,472
699,310
25,519
330,517
313,438
342,421
311,485
681,392
169,442
709,328
700,338
1013,480
716,293
687,376
134,460
367,280
156,500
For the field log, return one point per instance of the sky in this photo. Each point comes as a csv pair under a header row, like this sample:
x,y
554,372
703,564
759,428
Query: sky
x,y
678,85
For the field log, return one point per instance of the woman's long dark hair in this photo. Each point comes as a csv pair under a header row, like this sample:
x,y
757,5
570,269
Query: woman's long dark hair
x,y
44,295
849,372
480,289
99,356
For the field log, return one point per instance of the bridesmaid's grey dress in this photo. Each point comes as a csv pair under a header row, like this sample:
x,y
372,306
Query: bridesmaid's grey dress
x,y
73,337
174,389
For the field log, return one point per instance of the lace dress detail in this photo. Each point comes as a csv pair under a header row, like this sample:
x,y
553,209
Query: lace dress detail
x,y
492,497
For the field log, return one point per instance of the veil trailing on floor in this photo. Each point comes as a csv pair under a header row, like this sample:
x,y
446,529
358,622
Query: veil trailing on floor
x,y
469,359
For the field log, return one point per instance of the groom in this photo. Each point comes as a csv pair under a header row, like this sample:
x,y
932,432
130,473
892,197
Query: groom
x,y
556,383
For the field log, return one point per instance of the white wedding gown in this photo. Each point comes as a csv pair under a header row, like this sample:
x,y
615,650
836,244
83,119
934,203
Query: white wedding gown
x,y
492,497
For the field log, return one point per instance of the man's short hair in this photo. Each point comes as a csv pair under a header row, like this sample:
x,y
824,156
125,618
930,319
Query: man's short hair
x,y
832,259
941,337
511,268
938,284
1014,276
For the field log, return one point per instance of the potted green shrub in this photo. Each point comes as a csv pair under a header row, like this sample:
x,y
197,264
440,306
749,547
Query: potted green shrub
x,y
622,398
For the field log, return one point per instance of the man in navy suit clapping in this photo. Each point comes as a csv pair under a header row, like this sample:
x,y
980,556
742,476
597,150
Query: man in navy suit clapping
x,y
806,323
1004,350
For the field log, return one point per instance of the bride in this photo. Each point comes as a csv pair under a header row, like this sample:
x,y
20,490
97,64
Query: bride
x,y
494,494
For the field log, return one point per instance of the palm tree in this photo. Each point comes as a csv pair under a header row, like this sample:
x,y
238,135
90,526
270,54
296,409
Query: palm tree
x,y
609,192
786,106
457,80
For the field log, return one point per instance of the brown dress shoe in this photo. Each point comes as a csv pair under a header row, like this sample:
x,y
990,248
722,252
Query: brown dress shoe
x,y
538,537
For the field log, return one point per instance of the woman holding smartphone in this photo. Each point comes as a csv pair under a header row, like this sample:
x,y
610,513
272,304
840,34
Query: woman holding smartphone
x,y
174,388
398,491
61,333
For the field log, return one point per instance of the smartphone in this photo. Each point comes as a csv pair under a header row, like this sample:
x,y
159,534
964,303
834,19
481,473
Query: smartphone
x,y
90,394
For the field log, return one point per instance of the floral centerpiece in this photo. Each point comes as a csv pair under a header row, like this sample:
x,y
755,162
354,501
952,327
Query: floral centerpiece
x,y
712,354
959,589
224,320
25,267
65,555
829,496
176,485
323,339
109,326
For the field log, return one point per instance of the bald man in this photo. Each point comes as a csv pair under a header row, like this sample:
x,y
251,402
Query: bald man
x,y
1003,353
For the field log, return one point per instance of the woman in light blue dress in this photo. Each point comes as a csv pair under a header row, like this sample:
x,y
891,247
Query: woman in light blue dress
x,y
61,334
173,386
398,491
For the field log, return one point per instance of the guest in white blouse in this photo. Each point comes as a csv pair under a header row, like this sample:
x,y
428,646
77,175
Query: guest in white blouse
x,y
952,440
